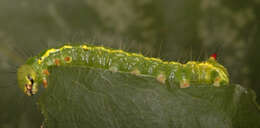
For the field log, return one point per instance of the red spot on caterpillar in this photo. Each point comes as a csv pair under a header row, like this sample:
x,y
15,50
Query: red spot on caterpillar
x,y
214,56
45,83
57,62
67,59
46,72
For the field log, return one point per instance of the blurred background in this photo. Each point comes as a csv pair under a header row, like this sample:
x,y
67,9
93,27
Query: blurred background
x,y
179,30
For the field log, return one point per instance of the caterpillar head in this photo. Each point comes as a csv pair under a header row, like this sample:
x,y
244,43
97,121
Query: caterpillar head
x,y
27,79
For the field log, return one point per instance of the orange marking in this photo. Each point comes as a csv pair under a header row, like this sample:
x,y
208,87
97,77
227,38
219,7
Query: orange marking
x,y
67,59
57,62
46,72
45,83
161,78
186,85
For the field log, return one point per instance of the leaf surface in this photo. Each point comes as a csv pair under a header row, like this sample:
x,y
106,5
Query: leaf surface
x,y
79,97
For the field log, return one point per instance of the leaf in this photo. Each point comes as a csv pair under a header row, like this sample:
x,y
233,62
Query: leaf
x,y
79,97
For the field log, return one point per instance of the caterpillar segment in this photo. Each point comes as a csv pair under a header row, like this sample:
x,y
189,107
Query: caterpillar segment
x,y
193,73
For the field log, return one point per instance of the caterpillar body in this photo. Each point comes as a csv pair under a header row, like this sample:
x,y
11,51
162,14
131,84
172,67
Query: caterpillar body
x,y
35,70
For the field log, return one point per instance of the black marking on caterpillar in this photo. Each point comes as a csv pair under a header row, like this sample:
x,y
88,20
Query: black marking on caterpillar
x,y
192,73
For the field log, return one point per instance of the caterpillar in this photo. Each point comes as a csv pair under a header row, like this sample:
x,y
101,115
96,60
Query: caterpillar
x,y
35,70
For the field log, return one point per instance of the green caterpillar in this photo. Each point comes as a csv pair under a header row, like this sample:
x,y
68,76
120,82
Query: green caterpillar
x,y
35,70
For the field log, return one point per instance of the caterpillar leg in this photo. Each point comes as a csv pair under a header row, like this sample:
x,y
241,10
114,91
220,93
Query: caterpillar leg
x,y
42,126
135,72
29,89
45,83
113,69
57,62
161,78
46,72
184,83
216,82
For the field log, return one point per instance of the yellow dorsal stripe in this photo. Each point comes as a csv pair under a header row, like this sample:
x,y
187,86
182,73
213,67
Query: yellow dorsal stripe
x,y
48,52
206,64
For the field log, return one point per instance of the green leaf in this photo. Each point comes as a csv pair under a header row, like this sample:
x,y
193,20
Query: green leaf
x,y
79,97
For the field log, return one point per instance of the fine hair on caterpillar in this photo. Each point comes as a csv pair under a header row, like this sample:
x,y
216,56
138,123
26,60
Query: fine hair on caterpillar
x,y
192,73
